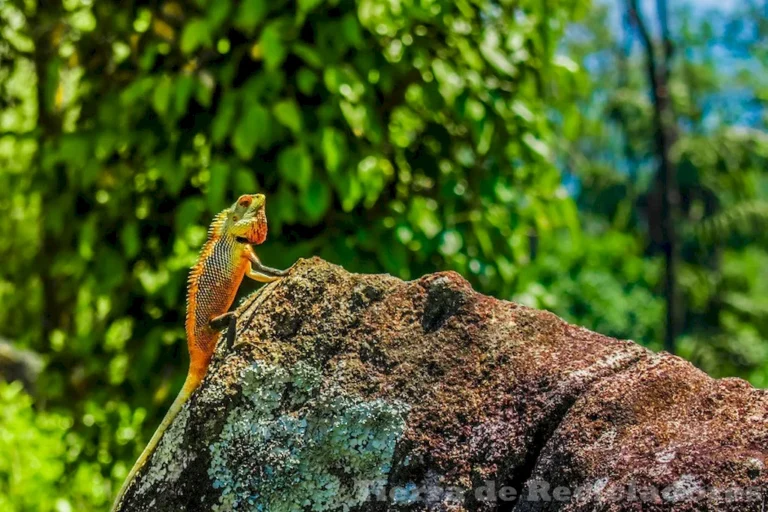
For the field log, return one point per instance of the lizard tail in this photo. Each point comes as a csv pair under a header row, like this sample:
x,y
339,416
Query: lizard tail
x,y
190,384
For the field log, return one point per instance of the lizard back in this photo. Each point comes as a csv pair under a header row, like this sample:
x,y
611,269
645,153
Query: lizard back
x,y
212,286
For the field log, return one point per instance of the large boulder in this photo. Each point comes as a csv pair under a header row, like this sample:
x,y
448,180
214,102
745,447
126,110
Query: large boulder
x,y
345,391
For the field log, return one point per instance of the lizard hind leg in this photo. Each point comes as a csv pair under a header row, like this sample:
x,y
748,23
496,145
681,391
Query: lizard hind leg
x,y
226,321
221,322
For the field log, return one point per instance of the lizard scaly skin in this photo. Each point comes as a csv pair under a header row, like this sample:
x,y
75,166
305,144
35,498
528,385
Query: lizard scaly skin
x,y
225,259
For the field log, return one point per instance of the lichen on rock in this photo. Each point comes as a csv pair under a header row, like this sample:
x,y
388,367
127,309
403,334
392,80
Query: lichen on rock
x,y
297,445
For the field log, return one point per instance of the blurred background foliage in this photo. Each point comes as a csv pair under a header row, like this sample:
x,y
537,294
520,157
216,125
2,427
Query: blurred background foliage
x,y
514,142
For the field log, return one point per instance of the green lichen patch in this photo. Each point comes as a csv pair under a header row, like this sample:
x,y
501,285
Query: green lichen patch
x,y
295,444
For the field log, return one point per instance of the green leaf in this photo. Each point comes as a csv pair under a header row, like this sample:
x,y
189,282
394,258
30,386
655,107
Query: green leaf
x,y
130,239
217,185
349,189
74,149
356,116
491,49
486,136
245,181
308,5
225,115
51,86
272,46
195,34
185,86
288,114
250,14
89,173
424,217
205,89
172,174
315,200
284,209
351,30
251,130
188,214
87,237
148,58
334,149
295,165
374,173
217,13
306,80
118,369
161,96
308,54
136,92
118,334
537,146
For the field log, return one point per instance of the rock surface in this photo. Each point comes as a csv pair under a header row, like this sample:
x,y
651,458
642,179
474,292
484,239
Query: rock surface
x,y
364,392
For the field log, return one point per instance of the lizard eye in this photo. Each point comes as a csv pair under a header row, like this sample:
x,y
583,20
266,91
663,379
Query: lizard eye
x,y
235,218
241,239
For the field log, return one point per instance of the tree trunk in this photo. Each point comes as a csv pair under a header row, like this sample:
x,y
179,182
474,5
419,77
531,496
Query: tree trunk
x,y
665,136
42,24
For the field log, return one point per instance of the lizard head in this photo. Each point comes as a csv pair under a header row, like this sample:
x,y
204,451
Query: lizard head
x,y
247,219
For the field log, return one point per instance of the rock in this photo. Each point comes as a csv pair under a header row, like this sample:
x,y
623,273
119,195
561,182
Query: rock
x,y
19,365
364,392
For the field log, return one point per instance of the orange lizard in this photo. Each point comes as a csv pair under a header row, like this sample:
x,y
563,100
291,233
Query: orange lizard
x,y
225,259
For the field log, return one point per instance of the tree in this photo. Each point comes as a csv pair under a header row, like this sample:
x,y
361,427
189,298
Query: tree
x,y
717,159
659,68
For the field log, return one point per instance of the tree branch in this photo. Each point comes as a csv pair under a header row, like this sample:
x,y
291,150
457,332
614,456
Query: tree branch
x,y
666,38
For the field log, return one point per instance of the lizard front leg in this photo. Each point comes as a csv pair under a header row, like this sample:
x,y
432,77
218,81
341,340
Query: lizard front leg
x,y
259,272
261,275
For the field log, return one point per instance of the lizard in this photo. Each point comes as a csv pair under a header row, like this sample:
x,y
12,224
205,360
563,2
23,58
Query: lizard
x,y
225,259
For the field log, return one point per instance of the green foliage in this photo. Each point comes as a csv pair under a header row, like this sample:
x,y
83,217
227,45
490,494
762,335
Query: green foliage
x,y
720,157
607,285
399,137
38,451
740,219
735,305
402,137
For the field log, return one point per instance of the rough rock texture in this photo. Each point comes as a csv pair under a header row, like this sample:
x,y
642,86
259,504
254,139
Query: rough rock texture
x,y
364,392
